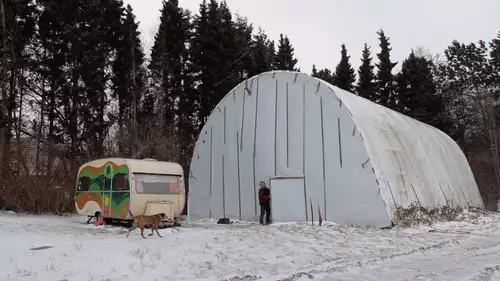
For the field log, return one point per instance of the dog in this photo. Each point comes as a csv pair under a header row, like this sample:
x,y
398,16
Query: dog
x,y
142,220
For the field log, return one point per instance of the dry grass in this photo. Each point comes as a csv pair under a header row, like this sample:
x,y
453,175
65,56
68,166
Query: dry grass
x,y
415,215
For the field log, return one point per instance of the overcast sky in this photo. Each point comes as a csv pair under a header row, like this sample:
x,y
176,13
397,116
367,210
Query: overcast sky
x,y
317,28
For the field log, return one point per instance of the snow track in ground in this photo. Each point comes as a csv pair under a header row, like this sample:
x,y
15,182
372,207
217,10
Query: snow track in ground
x,y
203,250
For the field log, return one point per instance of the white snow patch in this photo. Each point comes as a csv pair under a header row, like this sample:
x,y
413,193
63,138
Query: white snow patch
x,y
65,248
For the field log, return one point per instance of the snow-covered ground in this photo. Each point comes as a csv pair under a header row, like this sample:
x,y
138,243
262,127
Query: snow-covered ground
x,y
203,250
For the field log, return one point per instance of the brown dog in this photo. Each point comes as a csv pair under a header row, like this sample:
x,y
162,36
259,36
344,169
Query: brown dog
x,y
142,220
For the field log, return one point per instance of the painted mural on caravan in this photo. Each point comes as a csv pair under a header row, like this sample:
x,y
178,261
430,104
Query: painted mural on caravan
x,y
104,188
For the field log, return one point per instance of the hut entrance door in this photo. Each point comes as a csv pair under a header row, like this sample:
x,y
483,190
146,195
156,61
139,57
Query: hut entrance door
x,y
288,203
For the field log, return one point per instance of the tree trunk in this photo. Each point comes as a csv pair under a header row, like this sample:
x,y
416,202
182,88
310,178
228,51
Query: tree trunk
x,y
19,124
73,126
493,136
51,117
3,112
133,148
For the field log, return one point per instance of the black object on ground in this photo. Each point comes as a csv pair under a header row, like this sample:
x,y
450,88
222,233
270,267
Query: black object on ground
x,y
224,221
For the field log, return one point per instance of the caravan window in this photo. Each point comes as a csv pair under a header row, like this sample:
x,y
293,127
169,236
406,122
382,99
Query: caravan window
x,y
83,184
120,182
157,184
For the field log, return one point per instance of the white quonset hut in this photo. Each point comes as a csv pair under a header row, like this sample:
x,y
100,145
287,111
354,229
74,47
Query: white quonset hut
x,y
313,143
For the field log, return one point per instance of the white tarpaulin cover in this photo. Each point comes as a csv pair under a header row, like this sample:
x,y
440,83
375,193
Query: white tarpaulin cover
x,y
359,160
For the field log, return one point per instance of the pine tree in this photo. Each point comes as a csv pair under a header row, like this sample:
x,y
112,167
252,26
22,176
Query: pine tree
x,y
200,45
418,97
465,84
385,79
243,33
188,103
168,57
366,86
262,53
232,51
344,73
495,59
214,52
285,59
324,74
98,29
79,40
128,80
314,71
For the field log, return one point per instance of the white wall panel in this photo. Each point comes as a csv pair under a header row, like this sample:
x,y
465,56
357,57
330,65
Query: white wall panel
x,y
233,125
248,186
216,196
264,142
201,160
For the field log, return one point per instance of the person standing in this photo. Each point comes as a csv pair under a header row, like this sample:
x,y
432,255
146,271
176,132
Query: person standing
x,y
265,203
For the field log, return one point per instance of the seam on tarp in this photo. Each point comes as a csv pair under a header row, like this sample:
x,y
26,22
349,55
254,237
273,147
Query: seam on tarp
x,y
225,124
239,175
323,152
304,146
275,126
242,119
223,188
211,164
287,130
394,201
255,146
340,141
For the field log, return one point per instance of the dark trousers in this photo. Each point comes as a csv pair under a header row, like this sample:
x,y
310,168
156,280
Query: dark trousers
x,y
265,208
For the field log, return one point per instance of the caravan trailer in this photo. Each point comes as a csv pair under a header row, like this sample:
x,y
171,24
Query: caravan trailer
x,y
107,188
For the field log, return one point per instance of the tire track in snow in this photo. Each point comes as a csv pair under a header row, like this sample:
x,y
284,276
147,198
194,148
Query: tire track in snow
x,y
486,273
363,263
468,257
478,251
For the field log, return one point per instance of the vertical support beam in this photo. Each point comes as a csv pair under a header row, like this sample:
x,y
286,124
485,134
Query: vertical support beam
x,y
255,146
416,196
210,178
223,188
454,202
323,152
224,124
444,195
287,130
469,202
463,194
238,167
394,201
243,119
275,124
304,147
340,141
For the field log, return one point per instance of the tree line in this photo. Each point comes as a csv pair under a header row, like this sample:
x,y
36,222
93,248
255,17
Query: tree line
x,y
76,85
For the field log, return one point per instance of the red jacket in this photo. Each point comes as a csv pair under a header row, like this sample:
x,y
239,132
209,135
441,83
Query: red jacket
x,y
264,194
